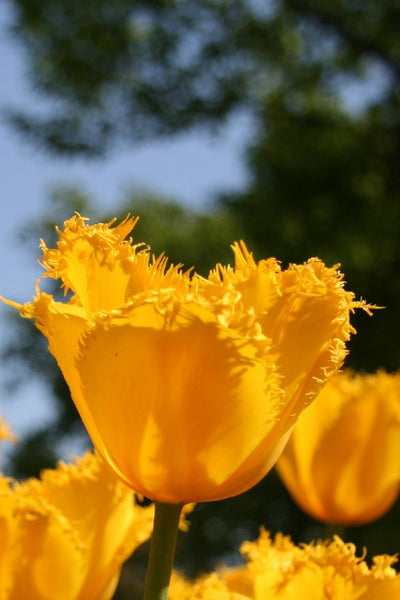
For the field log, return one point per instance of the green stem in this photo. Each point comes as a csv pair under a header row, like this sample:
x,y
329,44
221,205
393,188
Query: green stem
x,y
162,550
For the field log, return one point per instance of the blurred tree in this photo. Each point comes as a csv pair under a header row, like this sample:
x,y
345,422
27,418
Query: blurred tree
x,y
123,69
321,82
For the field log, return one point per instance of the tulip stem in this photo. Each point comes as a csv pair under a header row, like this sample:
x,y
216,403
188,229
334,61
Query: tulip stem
x,y
162,550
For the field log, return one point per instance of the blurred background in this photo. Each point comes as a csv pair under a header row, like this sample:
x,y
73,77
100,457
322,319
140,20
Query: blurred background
x,y
273,121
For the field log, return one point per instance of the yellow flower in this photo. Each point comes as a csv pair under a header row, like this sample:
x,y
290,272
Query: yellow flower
x,y
280,570
189,387
208,587
342,463
66,535
5,432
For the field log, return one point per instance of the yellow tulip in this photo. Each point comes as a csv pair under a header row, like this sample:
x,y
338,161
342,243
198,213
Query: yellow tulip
x,y
280,570
188,386
342,463
66,535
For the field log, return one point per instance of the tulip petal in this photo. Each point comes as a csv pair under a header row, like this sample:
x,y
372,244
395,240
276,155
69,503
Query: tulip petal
x,y
189,387
66,535
342,463
172,404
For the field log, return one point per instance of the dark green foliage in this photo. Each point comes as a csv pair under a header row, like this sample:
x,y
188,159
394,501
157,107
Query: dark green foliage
x,y
327,184
123,69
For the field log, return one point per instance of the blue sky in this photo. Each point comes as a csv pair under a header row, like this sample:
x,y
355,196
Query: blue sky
x,y
190,169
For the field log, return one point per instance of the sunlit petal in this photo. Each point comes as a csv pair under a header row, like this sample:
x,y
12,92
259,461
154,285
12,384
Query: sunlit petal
x,y
66,535
342,463
277,568
188,386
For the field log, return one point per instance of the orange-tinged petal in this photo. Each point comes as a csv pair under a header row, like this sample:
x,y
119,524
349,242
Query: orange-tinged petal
x,y
124,361
66,535
45,546
209,587
277,568
85,258
258,284
364,459
100,267
189,387
342,464
63,325
308,325
304,311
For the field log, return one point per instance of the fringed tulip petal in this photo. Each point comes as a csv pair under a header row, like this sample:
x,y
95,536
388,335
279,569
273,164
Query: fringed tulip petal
x,y
304,311
281,570
188,386
123,361
66,535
